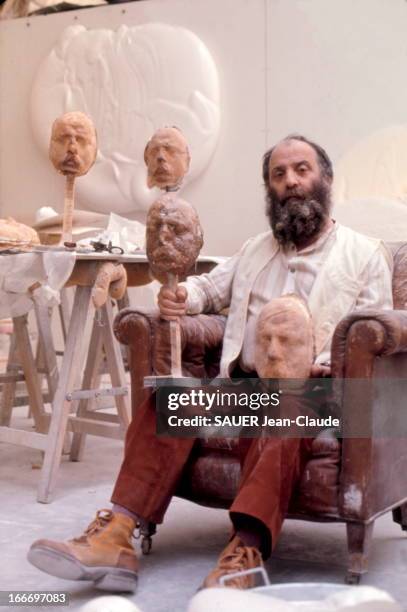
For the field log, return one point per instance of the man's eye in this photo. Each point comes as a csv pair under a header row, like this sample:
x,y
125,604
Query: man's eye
x,y
303,169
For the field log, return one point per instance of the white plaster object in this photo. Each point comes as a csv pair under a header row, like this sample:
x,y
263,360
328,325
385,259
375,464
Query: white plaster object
x,y
110,603
346,599
130,82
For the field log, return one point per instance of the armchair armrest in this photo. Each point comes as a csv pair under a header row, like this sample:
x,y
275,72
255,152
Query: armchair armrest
x,y
368,346
374,333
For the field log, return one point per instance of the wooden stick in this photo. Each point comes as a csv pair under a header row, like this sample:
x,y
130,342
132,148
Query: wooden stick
x,y
175,334
68,208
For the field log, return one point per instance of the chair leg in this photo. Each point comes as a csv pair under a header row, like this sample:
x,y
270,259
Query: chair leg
x,y
146,533
400,516
359,537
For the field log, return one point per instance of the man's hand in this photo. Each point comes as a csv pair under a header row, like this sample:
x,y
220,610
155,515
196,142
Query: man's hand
x,y
320,371
172,305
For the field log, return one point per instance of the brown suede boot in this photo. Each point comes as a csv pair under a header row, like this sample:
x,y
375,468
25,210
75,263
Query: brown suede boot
x,y
104,554
236,557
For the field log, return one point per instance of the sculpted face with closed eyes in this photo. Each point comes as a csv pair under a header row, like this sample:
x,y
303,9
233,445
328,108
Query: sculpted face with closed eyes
x,y
284,339
167,158
73,145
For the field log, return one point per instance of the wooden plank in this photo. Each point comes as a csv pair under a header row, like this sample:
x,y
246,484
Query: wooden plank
x,y
9,377
91,378
46,341
92,416
46,357
97,393
115,364
9,388
30,372
64,312
100,416
70,368
90,426
20,437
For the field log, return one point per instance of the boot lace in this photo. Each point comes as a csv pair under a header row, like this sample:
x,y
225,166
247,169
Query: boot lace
x,y
243,557
240,559
103,517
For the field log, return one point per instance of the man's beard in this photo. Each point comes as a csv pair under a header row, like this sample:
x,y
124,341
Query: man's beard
x,y
299,215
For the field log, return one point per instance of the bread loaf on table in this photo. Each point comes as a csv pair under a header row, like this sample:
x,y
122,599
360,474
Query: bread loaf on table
x,y
17,235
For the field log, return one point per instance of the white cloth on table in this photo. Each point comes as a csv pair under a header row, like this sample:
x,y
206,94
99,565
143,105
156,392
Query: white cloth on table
x,y
19,272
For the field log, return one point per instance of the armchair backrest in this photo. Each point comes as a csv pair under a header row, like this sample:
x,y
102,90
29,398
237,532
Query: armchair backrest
x,y
399,252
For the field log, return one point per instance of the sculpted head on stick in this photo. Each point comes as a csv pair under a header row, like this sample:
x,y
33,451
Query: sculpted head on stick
x,y
167,159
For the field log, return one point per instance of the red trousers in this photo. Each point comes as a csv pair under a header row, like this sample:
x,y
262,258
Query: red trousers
x,y
153,466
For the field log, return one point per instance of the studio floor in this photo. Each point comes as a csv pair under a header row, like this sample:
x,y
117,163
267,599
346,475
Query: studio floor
x,y
185,547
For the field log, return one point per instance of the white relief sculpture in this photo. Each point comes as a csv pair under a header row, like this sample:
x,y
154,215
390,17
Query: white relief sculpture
x,y
370,188
376,165
130,82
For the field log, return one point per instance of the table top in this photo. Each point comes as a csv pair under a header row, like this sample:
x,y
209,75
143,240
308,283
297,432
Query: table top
x,y
86,263
139,257
136,264
92,255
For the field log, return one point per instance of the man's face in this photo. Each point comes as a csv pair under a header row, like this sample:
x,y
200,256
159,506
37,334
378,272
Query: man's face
x,y
174,236
284,340
73,144
167,158
298,196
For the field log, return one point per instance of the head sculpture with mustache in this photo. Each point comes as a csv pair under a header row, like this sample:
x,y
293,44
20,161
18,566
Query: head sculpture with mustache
x,y
73,144
297,176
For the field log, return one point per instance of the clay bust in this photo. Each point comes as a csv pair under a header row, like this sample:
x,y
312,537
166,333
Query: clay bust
x,y
174,236
284,339
73,144
167,158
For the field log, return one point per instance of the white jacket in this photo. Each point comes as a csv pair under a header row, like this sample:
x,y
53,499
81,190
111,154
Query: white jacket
x,y
333,295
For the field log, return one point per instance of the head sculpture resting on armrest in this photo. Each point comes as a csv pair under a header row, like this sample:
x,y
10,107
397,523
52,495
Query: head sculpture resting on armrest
x,y
284,339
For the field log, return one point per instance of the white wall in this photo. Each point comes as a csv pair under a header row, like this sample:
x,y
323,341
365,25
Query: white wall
x,y
345,73
335,71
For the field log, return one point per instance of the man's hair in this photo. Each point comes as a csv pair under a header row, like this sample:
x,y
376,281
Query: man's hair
x,y
325,163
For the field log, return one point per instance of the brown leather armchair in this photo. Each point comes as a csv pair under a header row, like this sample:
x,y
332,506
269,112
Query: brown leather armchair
x,y
354,480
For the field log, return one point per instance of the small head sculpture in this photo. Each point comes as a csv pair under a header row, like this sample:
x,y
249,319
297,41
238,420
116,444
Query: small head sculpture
x,y
174,236
73,144
284,339
167,158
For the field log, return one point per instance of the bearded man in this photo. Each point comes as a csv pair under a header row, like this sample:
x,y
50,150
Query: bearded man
x,y
334,271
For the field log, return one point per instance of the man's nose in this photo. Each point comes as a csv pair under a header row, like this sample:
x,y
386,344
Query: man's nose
x,y
272,349
73,145
165,234
161,155
291,179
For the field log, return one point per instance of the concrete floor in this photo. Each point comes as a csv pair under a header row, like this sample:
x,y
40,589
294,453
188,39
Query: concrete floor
x,y
184,549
